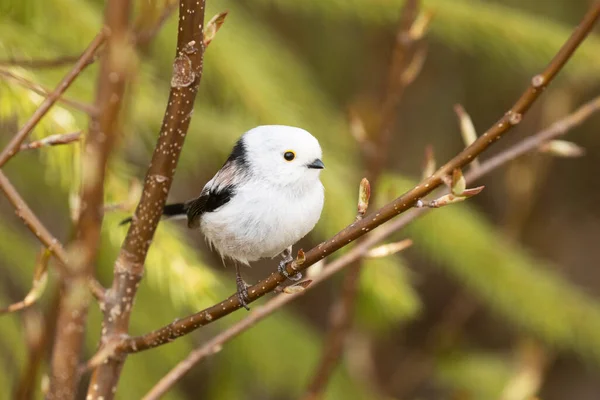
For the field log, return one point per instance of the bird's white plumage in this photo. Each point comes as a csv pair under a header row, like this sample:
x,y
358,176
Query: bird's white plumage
x,y
275,203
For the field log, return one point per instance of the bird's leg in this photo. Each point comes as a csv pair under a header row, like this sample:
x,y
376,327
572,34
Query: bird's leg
x,y
242,288
287,257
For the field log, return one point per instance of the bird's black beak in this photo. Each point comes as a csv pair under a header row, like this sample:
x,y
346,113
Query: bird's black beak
x,y
316,164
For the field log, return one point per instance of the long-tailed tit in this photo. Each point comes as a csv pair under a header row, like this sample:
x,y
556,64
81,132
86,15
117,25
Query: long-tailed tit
x,y
265,198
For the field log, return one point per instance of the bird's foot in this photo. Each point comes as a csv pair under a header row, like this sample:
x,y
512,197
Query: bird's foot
x,y
242,292
281,268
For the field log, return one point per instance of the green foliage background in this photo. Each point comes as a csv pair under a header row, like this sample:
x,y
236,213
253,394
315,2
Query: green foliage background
x,y
305,63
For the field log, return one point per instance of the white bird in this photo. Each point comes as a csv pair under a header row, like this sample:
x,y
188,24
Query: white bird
x,y
265,198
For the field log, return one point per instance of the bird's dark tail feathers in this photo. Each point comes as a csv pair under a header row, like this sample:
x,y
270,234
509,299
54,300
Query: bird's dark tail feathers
x,y
170,210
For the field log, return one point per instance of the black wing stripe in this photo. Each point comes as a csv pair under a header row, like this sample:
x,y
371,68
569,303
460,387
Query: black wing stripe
x,y
208,202
172,210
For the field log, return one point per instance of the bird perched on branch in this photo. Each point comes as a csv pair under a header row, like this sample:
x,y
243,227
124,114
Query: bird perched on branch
x,y
265,198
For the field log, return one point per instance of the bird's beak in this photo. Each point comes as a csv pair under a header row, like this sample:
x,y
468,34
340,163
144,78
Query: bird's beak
x,y
316,164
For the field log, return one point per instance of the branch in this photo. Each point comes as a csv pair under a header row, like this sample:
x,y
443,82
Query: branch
x,y
13,147
52,140
129,266
364,248
32,222
40,278
36,335
41,232
144,36
48,63
38,89
357,229
531,143
115,69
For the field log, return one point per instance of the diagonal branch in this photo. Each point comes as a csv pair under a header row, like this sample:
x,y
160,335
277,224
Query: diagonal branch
x,y
40,277
13,147
39,63
52,140
38,89
32,222
129,266
405,202
211,347
144,36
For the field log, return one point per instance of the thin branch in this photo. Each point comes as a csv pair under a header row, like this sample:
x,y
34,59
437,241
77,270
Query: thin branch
x,y
129,265
115,70
36,336
13,147
40,277
144,36
32,222
39,63
97,290
52,140
531,143
259,313
357,229
38,89
403,54
41,232
141,38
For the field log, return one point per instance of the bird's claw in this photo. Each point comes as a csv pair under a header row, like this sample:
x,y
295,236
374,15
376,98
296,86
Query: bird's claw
x,y
281,268
242,293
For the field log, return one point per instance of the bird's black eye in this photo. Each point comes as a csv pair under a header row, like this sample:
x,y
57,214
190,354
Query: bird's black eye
x,y
289,155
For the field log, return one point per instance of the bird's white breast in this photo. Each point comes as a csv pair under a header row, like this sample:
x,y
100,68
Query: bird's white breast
x,y
264,221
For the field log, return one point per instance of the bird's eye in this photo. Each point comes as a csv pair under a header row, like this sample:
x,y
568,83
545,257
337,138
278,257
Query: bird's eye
x,y
289,155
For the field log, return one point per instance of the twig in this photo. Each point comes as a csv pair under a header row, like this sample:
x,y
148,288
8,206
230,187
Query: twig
x,y
38,89
115,70
259,313
141,38
144,36
342,310
40,63
97,290
414,366
129,265
37,338
40,278
52,140
32,222
41,232
13,147
357,229
531,143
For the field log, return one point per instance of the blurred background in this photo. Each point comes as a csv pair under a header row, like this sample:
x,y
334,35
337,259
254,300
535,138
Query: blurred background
x,y
497,299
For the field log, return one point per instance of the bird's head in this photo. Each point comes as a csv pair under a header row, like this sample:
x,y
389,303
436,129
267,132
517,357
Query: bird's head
x,y
282,155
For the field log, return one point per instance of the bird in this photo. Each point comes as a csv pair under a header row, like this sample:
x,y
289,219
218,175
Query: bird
x,y
264,199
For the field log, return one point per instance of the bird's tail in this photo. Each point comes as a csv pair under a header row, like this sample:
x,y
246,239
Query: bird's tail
x,y
170,211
